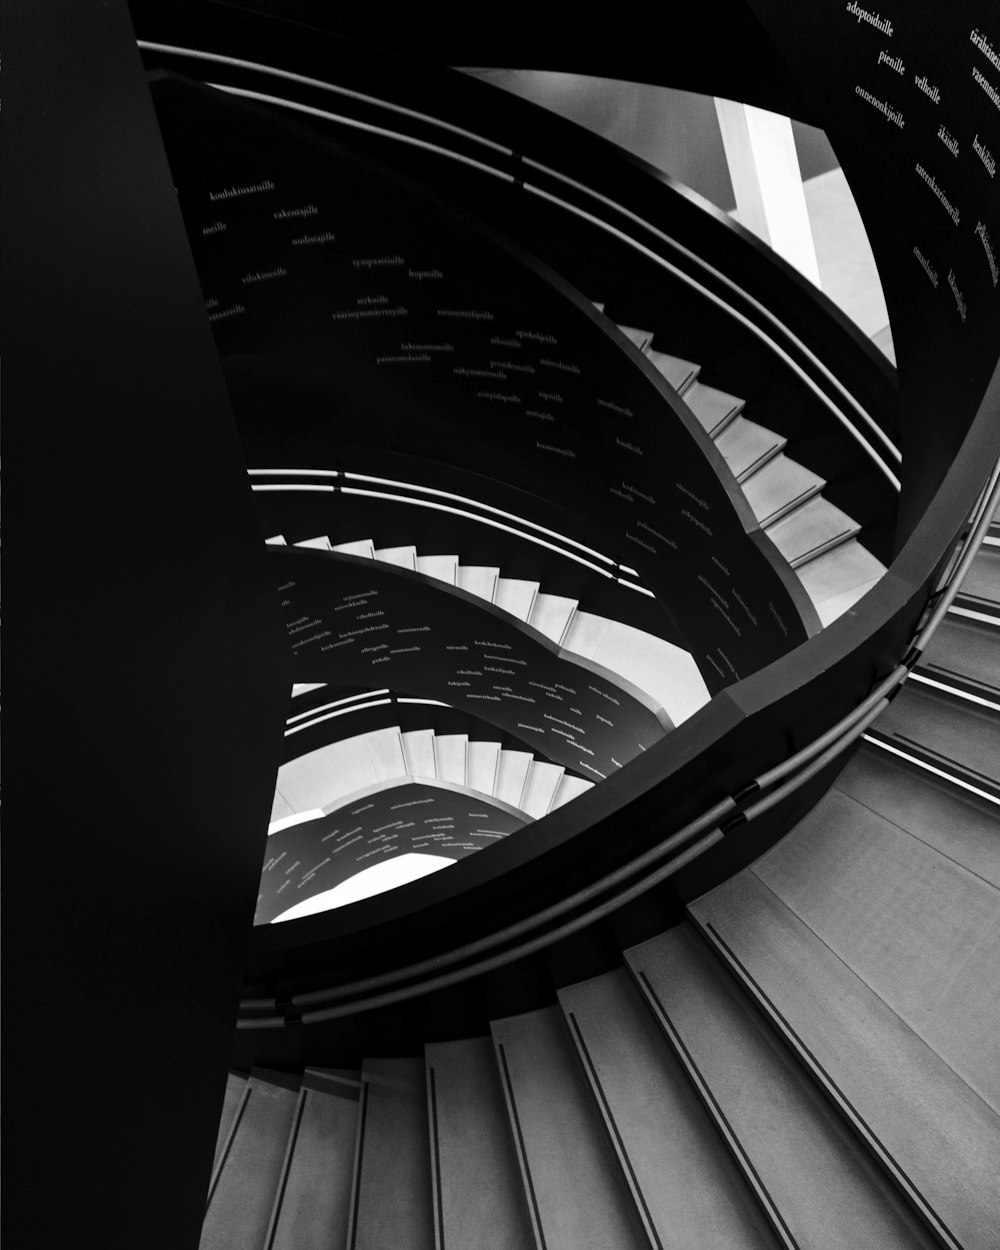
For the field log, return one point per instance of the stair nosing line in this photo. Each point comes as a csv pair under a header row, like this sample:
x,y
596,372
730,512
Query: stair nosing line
x,y
909,833
227,1145
352,1232
936,757
436,1144
889,1007
286,1165
764,457
781,512
743,1161
622,1152
820,549
522,1152
897,1174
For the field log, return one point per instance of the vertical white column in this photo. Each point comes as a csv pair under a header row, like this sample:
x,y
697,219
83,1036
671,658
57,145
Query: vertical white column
x,y
764,168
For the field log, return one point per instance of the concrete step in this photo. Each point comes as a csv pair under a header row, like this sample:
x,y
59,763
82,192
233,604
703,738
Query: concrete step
x,y
747,446
476,1179
684,1182
576,1194
392,1173
239,1208
449,757
443,568
799,1157
313,1205
481,760
935,1135
810,530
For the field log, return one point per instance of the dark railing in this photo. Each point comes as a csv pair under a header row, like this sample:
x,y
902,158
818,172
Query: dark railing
x,y
757,746
588,906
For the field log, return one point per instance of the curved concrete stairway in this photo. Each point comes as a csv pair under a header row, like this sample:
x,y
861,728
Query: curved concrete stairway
x,y
810,1061
819,541
665,672
325,779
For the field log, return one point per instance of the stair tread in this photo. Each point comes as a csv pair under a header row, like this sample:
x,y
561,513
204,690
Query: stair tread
x,y
236,1087
418,751
321,543
473,1142
276,540
449,757
747,446
781,485
404,557
585,632
968,650
952,730
386,749
392,1182
811,529
441,567
713,408
512,769
360,547
239,1211
551,614
641,338
478,580
316,1196
829,1193
540,787
947,1140
326,775
656,667
569,788
679,373
839,572
515,595
920,930
954,822
683,1177
481,760
576,1191
981,585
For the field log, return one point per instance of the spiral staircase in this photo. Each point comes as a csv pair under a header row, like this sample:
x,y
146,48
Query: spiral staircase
x,y
797,1049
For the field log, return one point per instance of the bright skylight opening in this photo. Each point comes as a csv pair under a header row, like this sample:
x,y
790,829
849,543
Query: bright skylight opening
x,y
298,818
376,880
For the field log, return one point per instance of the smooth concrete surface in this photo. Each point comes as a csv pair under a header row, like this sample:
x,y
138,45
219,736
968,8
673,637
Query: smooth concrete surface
x,y
687,1186
316,1198
830,1194
240,1209
477,1184
392,1166
960,826
968,650
572,1179
952,729
940,1135
236,1088
920,930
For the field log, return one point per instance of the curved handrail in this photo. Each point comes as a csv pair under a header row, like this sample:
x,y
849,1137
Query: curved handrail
x,y
511,161
889,608
711,825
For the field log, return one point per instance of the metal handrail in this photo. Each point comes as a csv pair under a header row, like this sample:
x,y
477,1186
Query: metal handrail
x,y
811,760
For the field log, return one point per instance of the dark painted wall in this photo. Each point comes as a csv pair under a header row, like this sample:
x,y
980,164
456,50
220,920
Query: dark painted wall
x,y
146,728
911,101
